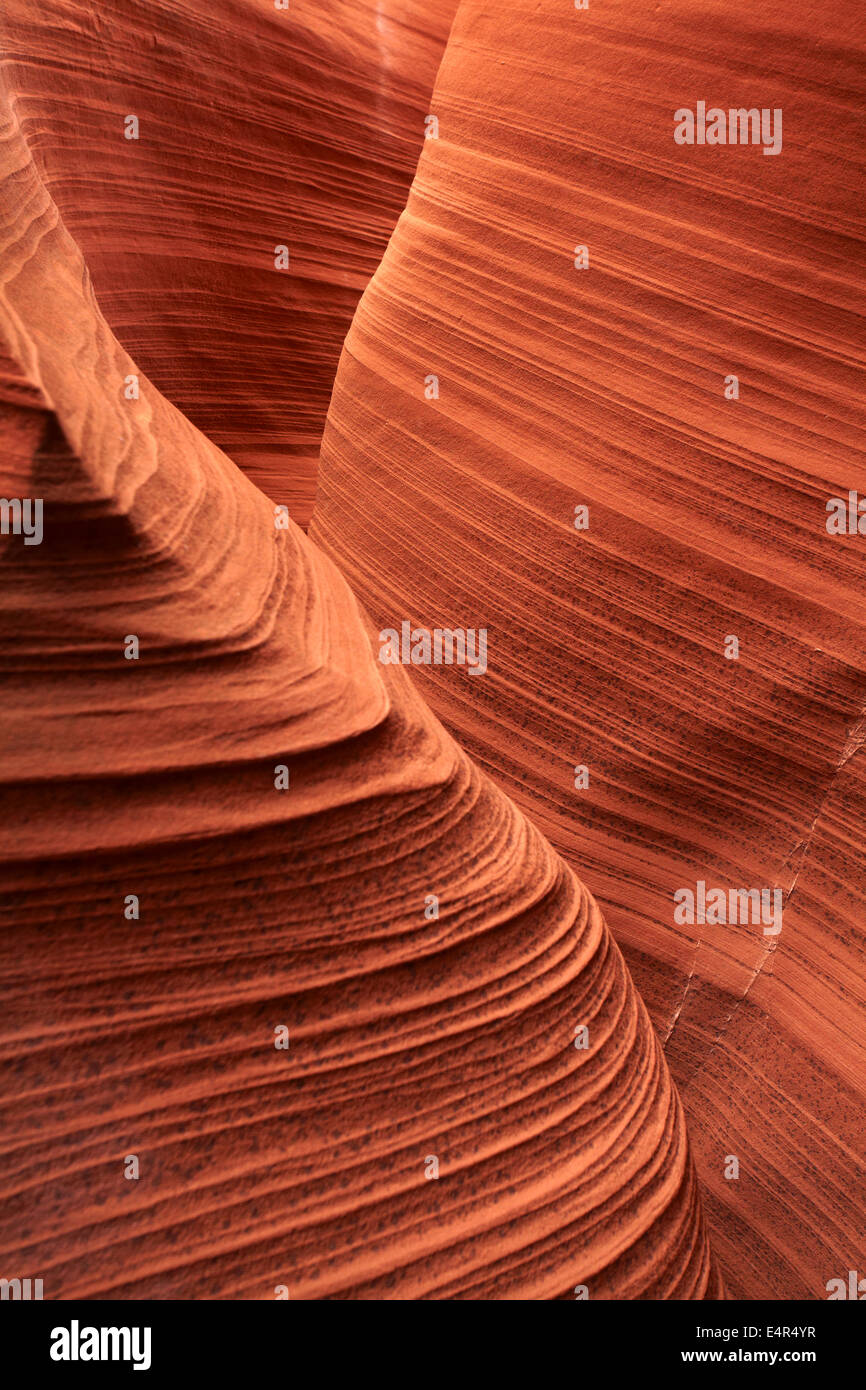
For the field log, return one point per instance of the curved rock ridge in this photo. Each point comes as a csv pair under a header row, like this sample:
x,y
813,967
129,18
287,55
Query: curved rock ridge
x,y
596,400
249,118
191,561
295,1002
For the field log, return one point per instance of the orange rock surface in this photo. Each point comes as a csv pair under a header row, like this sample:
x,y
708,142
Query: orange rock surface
x,y
225,819
555,325
257,128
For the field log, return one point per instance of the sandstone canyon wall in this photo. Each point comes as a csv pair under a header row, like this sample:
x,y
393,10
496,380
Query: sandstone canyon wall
x,y
556,326
226,825
318,964
258,128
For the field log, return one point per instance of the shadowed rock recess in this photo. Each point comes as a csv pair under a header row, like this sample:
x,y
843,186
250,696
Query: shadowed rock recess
x,y
258,128
556,325
167,911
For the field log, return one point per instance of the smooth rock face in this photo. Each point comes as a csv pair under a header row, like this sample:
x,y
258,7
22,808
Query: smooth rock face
x,y
172,654
257,128
583,288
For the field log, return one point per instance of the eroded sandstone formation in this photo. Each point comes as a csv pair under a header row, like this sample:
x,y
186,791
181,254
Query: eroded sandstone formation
x,y
556,326
226,826
257,128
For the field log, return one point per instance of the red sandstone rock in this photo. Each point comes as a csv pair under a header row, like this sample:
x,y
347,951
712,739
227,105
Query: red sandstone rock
x,y
168,908
257,128
604,387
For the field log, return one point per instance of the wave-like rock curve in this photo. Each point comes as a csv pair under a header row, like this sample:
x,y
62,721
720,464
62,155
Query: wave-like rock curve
x,y
243,1053
577,312
257,128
